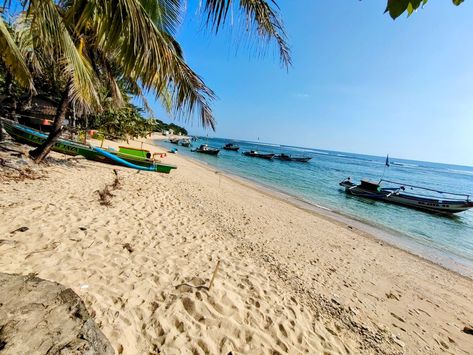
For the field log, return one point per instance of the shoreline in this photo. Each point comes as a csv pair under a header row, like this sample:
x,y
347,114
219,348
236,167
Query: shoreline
x,y
446,260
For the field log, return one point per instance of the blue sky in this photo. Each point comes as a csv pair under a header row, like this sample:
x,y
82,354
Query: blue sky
x,y
360,82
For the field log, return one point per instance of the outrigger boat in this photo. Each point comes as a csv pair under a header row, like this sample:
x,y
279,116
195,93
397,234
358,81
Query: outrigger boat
x,y
133,160
205,149
231,146
398,195
255,154
286,157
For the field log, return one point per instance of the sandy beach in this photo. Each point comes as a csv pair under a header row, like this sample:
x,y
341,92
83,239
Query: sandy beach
x,y
289,280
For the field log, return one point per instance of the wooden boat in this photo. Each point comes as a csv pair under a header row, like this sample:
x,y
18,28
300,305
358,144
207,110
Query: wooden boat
x,y
35,138
205,149
399,196
139,153
174,140
231,146
255,154
186,143
286,157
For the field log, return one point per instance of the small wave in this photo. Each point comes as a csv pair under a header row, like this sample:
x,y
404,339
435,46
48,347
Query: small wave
x,y
267,144
405,164
466,172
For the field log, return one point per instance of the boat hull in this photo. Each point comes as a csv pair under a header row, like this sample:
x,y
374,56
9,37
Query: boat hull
x,y
208,152
419,203
35,138
296,159
233,149
257,155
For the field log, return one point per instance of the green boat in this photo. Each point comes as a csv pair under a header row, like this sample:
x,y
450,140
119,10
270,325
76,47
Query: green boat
x,y
35,138
136,152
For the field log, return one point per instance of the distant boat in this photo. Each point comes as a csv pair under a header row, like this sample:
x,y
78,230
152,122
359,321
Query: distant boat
x,y
286,157
205,149
399,196
185,142
174,140
255,154
231,146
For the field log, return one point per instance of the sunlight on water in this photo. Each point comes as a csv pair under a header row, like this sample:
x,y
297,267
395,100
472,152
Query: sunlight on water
x,y
317,182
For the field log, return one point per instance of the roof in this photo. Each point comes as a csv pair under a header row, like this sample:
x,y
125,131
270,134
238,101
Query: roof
x,y
42,105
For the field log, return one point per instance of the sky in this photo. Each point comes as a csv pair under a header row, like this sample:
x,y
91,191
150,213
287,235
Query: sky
x,y
360,82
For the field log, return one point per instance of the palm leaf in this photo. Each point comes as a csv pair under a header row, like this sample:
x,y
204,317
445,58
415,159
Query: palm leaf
x,y
259,16
54,40
24,39
13,59
145,52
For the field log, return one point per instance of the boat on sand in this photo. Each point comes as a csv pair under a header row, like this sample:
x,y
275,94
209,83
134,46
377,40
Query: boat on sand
x,y
35,138
255,154
399,195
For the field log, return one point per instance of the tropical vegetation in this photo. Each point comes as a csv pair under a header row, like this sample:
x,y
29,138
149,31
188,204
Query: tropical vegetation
x,y
128,122
94,52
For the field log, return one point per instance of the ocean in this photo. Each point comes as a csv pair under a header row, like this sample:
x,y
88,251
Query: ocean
x,y
444,240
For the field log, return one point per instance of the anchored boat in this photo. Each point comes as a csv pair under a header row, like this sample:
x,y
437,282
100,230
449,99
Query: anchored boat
x,y
186,142
452,203
35,138
231,146
286,157
205,149
255,154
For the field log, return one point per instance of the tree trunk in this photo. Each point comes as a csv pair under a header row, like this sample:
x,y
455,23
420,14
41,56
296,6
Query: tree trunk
x,y
43,150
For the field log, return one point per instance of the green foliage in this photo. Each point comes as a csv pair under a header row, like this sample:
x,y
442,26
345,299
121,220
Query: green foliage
x,y
161,126
128,122
397,7
125,122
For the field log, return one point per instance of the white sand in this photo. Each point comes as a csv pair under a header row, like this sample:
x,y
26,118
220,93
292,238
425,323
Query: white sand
x,y
290,281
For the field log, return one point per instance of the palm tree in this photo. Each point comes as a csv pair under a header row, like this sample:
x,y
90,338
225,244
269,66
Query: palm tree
x,y
132,40
14,63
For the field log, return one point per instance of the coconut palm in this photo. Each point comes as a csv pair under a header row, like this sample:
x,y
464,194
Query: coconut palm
x,y
132,40
13,59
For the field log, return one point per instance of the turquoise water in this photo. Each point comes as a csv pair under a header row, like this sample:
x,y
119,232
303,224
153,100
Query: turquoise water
x,y
317,182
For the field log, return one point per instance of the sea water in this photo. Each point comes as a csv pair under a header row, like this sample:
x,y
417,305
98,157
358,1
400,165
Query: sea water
x,y
447,240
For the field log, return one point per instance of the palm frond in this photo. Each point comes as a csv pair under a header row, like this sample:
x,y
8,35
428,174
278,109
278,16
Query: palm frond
x,y
259,15
10,54
147,54
56,41
166,14
24,39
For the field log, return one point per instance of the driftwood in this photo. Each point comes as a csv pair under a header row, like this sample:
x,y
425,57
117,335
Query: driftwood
x,y
203,287
105,195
